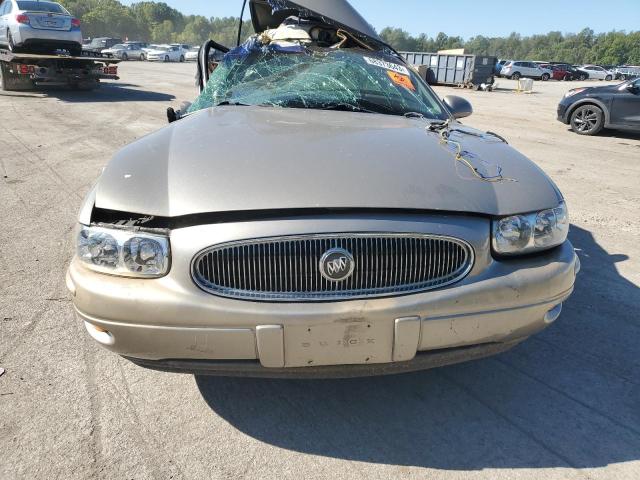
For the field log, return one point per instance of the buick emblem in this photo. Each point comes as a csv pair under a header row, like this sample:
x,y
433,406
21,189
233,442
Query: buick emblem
x,y
337,265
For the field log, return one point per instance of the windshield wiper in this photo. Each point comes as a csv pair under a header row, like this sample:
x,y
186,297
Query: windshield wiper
x,y
233,104
346,107
438,126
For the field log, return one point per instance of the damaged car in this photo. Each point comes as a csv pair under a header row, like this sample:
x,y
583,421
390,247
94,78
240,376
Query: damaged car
x,y
318,211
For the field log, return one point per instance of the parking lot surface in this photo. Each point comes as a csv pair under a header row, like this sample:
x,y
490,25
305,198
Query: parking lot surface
x,y
563,405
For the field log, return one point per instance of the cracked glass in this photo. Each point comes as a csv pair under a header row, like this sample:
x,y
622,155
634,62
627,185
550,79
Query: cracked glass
x,y
295,76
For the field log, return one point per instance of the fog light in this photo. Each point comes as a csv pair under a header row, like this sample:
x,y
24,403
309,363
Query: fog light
x,y
553,314
99,334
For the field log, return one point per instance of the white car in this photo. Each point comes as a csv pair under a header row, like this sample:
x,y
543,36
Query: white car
x,y
183,47
192,54
519,69
126,51
166,53
598,73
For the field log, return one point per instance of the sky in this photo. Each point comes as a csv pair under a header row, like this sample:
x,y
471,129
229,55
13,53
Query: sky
x,y
468,18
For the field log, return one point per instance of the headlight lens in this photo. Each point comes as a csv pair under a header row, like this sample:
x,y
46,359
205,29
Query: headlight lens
x,y
519,234
124,253
573,92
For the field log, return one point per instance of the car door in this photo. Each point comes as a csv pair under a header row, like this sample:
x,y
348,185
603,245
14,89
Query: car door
x,y
532,70
625,107
596,72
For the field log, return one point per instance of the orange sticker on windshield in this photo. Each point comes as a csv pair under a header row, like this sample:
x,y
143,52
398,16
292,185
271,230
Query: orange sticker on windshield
x,y
401,80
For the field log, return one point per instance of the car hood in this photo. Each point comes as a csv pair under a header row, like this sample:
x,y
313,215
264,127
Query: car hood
x,y
266,14
604,88
238,158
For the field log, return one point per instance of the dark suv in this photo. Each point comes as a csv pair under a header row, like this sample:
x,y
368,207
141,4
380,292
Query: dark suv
x,y
102,43
589,110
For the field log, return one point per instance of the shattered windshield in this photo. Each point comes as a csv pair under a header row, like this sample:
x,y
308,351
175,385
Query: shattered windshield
x,y
318,78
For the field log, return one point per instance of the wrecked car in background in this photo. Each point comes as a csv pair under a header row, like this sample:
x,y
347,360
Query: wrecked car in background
x,y
318,211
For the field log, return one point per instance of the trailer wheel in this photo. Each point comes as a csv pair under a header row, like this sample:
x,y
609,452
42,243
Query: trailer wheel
x,y
11,82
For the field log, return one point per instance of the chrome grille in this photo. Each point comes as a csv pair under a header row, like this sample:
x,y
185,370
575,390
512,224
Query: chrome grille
x,y
287,268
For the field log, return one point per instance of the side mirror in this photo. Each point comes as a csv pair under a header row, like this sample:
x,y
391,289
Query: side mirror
x,y
633,89
458,106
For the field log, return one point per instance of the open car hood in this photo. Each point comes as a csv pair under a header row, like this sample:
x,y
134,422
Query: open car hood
x,y
266,14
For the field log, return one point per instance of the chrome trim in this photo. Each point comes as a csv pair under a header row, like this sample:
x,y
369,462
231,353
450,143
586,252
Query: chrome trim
x,y
328,291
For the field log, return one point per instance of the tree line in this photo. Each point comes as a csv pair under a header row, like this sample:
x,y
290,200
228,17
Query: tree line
x,y
157,22
154,22
612,48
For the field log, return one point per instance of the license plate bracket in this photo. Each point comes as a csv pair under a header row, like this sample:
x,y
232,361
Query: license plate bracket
x,y
339,343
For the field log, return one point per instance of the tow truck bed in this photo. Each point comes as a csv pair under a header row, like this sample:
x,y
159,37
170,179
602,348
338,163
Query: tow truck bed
x,y
24,71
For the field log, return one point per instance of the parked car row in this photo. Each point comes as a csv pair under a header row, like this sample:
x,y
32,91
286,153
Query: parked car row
x,y
132,50
516,69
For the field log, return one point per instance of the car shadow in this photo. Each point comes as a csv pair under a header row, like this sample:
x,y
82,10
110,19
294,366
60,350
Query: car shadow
x,y
567,397
108,92
618,134
622,134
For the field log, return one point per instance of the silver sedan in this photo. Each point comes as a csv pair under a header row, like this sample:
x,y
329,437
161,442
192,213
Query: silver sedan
x,y
39,25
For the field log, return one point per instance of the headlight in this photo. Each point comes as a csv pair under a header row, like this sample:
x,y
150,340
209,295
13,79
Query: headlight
x,y
519,234
573,92
124,253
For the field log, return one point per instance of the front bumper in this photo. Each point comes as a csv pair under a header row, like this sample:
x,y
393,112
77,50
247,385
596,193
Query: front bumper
x,y
169,323
563,109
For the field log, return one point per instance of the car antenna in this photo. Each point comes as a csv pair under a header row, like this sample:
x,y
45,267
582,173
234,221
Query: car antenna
x,y
244,4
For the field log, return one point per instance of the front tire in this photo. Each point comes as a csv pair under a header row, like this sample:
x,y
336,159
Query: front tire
x,y
125,57
142,58
587,120
545,77
608,78
166,59
181,58
516,76
583,77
